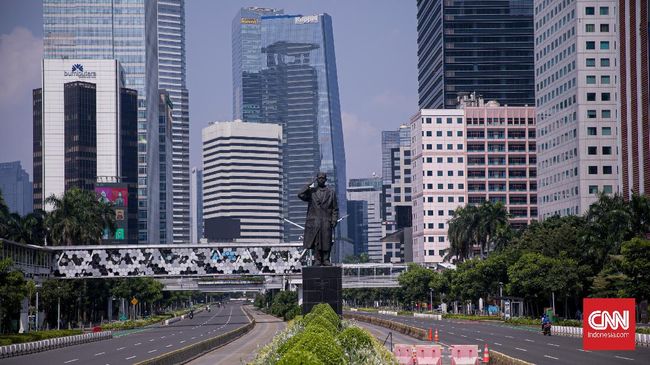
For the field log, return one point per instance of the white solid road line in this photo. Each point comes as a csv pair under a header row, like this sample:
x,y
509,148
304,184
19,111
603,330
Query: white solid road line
x,y
551,357
623,358
152,351
130,357
100,353
69,361
517,348
552,344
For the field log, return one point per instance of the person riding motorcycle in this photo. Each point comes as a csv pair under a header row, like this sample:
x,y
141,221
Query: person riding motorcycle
x,y
546,325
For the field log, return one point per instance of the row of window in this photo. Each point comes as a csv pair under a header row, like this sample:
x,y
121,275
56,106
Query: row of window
x,y
442,186
441,199
439,133
591,45
441,159
603,97
591,28
441,173
439,147
449,120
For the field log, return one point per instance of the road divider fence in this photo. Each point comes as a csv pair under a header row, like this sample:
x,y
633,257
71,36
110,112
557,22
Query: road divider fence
x,y
19,349
415,332
641,338
388,313
437,317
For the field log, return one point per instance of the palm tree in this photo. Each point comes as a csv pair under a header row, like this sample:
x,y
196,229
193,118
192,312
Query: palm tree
x,y
78,218
493,217
4,218
640,211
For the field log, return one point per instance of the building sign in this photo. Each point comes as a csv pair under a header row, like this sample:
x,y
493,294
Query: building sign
x,y
248,21
609,324
117,195
306,19
77,70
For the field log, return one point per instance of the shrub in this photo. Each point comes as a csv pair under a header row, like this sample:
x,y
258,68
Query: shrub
x,y
323,346
36,336
325,311
292,313
354,338
322,322
302,357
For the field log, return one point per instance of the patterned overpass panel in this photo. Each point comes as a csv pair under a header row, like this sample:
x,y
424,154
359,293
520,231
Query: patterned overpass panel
x,y
98,262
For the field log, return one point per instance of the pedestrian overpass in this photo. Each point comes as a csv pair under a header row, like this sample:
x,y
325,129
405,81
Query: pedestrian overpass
x,y
210,267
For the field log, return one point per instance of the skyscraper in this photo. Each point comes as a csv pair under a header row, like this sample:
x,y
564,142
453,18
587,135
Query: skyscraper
x,y
396,174
196,205
369,191
469,46
16,188
165,122
127,32
171,78
284,71
634,96
243,181
577,105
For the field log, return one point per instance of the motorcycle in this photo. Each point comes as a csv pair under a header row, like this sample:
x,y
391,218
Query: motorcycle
x,y
191,314
546,329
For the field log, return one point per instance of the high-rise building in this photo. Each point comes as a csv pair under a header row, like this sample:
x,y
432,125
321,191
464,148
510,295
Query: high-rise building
x,y
369,190
482,152
633,96
125,31
284,71
16,188
165,144
469,46
358,225
242,195
196,205
85,136
171,78
577,86
396,174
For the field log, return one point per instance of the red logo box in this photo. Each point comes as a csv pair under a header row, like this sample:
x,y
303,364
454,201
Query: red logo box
x,y
608,324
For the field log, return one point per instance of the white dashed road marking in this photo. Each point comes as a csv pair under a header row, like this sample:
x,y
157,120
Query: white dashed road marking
x,y
498,344
623,358
138,344
152,351
517,348
121,348
552,344
69,361
168,346
130,357
100,353
527,340
551,357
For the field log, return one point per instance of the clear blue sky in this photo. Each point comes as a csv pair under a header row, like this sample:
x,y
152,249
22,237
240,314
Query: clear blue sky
x,y
376,56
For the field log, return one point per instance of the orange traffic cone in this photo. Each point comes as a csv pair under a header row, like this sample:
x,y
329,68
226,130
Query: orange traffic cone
x,y
486,355
436,336
430,335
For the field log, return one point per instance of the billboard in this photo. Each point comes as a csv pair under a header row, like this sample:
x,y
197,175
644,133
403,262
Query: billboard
x,y
117,195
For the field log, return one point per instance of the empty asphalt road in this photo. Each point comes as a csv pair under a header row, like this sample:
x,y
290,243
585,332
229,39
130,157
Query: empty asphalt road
x,y
142,344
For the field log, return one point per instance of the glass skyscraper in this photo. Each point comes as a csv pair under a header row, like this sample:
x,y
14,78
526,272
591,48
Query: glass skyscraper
x,y
125,30
284,71
171,78
482,46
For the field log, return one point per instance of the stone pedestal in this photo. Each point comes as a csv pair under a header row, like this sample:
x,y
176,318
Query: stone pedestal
x,y
322,284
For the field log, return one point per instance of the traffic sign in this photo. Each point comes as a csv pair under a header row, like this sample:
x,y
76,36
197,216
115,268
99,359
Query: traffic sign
x,y
134,301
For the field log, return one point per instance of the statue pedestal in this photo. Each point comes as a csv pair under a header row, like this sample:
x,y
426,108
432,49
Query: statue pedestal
x,y
322,284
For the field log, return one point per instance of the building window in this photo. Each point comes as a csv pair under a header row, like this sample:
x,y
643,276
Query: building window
x,y
461,199
593,170
591,96
450,173
461,186
441,186
439,173
590,28
606,113
592,150
604,62
450,146
591,62
607,150
441,199
605,79
439,159
604,45
459,120
439,146
459,134
590,10
439,134
449,120
607,170
591,114
605,97
459,146
604,10
591,131
441,212
607,189
441,226
591,45
450,199
606,131
450,186
461,172
450,134
593,189
591,79
604,28
450,159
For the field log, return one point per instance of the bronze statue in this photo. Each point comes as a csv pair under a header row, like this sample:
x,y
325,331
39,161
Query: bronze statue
x,y
322,217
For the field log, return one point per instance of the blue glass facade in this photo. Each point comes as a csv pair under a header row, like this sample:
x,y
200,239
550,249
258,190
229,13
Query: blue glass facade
x,y
125,30
284,71
484,46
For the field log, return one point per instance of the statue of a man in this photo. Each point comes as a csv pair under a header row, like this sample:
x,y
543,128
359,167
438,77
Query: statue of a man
x,y
322,217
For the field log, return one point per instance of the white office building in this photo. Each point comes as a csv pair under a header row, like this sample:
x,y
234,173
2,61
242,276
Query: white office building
x,y
576,69
369,190
242,179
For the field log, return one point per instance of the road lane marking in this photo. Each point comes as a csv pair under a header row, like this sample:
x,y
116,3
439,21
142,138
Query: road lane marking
x,y
162,336
583,350
509,337
100,353
183,341
478,339
623,358
527,340
69,361
451,333
121,348
193,338
498,344
552,344
520,349
152,351
463,336
130,357
152,340
168,346
138,344
551,357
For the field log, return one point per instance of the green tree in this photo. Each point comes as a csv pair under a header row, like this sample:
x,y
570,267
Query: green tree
x,y
636,266
78,218
483,226
414,283
13,290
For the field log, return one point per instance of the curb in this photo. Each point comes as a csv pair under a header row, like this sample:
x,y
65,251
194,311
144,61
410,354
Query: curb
x,y
190,352
52,343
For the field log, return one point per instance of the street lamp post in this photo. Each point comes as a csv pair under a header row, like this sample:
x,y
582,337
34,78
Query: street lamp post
x,y
431,299
501,296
